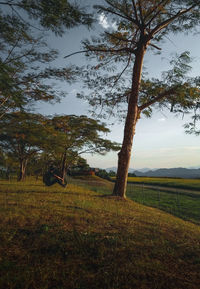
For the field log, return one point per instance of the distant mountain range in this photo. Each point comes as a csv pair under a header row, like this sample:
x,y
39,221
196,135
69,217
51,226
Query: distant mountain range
x,y
187,173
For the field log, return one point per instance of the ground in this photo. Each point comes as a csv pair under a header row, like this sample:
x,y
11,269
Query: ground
x,y
81,238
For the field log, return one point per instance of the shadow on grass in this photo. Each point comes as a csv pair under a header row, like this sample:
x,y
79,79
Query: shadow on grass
x,y
78,208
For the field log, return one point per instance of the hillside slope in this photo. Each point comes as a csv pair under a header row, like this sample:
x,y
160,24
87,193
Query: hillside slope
x,y
76,238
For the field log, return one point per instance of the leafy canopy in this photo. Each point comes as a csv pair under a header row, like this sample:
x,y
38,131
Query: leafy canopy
x,y
81,135
54,15
25,60
140,23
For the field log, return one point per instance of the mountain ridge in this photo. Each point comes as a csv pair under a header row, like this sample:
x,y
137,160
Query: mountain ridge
x,y
178,172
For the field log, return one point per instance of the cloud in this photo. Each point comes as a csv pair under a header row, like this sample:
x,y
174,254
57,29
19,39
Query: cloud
x,y
105,23
162,119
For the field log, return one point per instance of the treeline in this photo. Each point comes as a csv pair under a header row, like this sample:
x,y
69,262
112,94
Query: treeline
x,y
31,142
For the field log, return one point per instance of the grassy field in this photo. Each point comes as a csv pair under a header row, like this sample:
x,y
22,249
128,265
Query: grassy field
x,y
78,238
185,205
190,184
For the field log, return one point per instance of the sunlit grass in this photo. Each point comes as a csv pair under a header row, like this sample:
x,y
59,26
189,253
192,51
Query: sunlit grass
x,y
192,184
78,238
179,203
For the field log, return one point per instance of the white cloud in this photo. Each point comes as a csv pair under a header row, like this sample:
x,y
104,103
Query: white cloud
x,y
162,119
105,23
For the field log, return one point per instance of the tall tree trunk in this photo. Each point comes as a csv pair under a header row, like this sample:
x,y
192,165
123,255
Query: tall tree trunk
x,y
63,167
22,169
130,124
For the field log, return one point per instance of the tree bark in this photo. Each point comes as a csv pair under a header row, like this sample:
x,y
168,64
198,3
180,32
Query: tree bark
x,y
22,169
130,124
63,167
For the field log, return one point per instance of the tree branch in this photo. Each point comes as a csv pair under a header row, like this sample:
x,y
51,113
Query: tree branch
x,y
5,100
27,23
135,12
111,50
141,14
155,46
159,97
168,21
117,37
123,15
11,4
127,65
77,52
11,50
153,10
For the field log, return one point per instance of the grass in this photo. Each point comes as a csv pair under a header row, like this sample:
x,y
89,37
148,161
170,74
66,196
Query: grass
x,y
185,205
76,238
190,184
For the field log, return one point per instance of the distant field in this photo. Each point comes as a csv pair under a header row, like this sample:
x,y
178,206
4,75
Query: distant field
x,y
191,184
183,204
178,203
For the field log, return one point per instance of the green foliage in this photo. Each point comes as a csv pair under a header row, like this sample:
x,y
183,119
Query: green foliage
x,y
176,90
80,167
103,174
140,23
25,77
131,175
23,135
80,135
39,141
112,174
25,71
193,126
54,15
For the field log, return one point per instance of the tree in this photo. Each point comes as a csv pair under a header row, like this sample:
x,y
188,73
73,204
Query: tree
x,y
193,126
24,57
78,167
103,174
140,25
54,15
80,135
25,77
23,135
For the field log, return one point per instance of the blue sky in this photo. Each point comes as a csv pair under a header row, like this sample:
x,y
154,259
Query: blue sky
x,y
159,141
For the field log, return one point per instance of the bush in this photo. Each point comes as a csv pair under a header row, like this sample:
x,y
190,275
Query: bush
x,y
103,174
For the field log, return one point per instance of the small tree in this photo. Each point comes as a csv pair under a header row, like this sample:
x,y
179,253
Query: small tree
x,y
22,136
78,167
139,25
80,135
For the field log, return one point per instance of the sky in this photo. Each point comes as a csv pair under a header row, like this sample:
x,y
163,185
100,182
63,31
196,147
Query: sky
x,y
160,142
